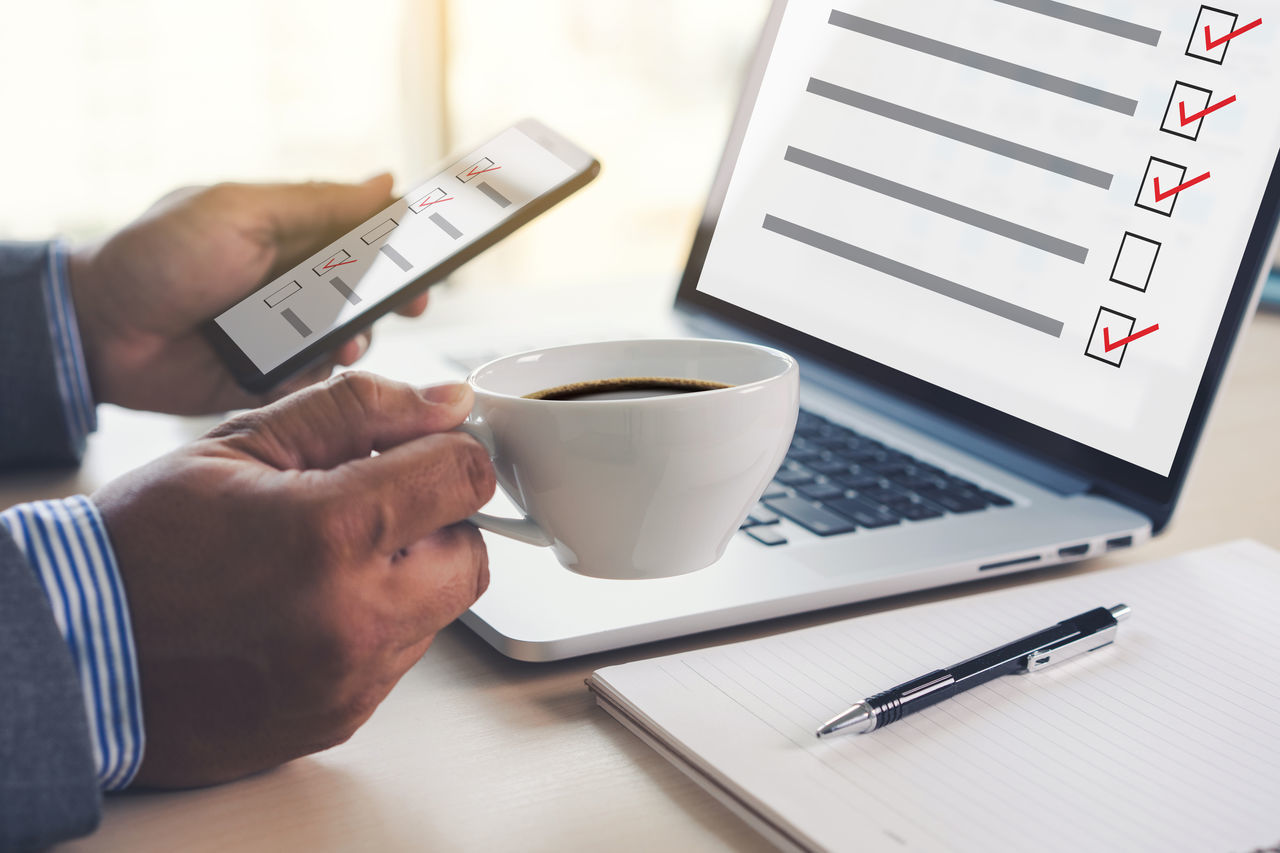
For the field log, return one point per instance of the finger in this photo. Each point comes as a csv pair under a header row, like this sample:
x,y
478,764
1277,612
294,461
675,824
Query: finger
x,y
407,493
348,417
416,308
435,580
304,217
354,349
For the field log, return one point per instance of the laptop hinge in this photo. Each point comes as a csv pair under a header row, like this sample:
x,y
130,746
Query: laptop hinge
x,y
917,417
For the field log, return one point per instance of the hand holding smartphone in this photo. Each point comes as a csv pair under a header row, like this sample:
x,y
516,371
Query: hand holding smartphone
x,y
440,224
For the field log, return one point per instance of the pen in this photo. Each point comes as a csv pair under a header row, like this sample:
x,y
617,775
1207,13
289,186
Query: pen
x,y
1078,635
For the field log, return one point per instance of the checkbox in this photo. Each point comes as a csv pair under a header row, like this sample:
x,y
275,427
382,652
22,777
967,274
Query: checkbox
x,y
1118,326
338,259
1192,99
476,169
1170,175
1135,261
424,201
382,229
282,294
1219,22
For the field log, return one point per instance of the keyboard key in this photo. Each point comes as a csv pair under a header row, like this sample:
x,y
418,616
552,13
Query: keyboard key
x,y
919,512
767,535
762,515
959,502
821,491
864,514
917,482
775,490
804,454
858,479
889,495
996,500
828,466
793,476
812,518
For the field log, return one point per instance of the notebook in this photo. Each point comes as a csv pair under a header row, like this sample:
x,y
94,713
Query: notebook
x,y
1169,739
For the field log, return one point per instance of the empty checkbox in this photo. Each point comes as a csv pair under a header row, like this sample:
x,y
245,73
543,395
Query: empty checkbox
x,y
282,294
1135,262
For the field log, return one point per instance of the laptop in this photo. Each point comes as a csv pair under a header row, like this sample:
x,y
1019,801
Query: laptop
x,y
1013,275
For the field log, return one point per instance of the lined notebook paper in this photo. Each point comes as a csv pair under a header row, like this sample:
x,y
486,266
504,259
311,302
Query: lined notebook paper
x,y
1167,740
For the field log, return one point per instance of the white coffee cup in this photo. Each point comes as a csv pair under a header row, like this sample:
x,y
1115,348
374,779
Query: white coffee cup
x,y
635,488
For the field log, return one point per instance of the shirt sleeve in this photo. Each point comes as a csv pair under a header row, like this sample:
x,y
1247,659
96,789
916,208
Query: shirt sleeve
x,y
73,375
46,402
66,544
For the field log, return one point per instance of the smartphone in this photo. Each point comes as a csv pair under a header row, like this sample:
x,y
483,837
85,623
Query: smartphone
x,y
294,321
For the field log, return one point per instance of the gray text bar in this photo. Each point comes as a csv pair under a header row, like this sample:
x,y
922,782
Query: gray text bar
x,y
446,226
498,198
933,203
1091,20
296,321
982,62
401,260
347,293
960,133
911,275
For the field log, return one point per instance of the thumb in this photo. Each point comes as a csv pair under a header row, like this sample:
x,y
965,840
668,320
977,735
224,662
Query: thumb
x,y
303,215
346,418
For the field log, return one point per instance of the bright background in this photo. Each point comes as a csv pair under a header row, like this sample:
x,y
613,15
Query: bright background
x,y
109,104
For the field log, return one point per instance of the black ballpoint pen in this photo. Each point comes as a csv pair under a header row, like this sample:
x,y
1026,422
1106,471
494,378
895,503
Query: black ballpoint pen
x,y
1070,637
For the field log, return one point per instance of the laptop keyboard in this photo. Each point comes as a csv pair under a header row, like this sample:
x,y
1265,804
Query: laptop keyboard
x,y
835,481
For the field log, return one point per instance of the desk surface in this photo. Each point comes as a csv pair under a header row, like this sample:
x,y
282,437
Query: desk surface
x,y
475,751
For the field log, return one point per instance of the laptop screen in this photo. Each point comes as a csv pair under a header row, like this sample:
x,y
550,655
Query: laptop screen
x,y
1041,207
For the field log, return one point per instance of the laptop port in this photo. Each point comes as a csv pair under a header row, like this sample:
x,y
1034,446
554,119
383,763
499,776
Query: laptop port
x,y
1074,551
1119,542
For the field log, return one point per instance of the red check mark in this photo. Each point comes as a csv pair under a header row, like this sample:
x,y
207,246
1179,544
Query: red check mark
x,y
471,173
1108,346
330,265
1211,43
1212,108
1161,196
427,202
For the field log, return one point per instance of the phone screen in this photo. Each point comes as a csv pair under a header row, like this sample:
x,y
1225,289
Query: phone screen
x,y
355,279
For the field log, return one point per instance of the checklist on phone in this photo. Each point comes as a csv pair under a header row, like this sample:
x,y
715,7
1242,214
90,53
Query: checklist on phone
x,y
350,278
1041,206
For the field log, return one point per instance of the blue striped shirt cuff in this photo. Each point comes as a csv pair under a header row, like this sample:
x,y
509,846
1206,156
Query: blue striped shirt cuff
x,y
68,357
66,544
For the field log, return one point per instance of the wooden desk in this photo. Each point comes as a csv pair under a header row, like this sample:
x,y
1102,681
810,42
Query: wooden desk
x,y
473,751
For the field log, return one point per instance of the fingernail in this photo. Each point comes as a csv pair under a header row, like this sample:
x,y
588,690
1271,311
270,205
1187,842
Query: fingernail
x,y
445,395
362,345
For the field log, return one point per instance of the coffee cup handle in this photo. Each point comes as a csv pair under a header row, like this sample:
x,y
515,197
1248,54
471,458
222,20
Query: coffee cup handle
x,y
520,529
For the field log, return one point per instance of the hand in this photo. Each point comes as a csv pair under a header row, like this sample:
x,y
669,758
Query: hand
x,y
141,296
280,580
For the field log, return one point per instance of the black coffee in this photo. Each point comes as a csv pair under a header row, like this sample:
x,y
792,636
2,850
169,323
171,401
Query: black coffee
x,y
625,388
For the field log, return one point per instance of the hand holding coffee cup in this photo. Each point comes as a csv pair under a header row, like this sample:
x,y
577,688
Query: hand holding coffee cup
x,y
634,459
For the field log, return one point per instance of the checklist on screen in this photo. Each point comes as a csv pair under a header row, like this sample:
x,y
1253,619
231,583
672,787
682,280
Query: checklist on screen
x,y
1038,205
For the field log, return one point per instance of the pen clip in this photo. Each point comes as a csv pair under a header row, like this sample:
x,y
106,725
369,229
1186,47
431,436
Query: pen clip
x,y
1050,655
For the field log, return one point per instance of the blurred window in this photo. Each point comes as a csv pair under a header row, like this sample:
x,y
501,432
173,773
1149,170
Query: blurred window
x,y
109,104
